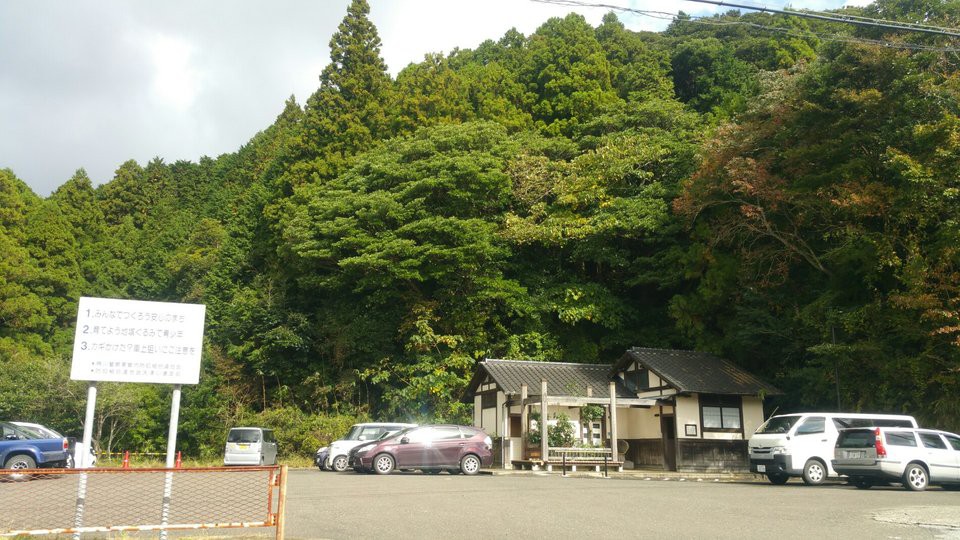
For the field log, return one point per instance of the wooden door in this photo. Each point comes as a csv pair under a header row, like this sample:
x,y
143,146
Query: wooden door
x,y
668,429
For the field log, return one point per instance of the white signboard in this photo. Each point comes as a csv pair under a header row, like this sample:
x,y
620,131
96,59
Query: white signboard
x,y
137,341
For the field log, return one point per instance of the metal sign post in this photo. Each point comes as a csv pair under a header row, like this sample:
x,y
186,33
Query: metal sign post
x,y
136,341
171,452
80,461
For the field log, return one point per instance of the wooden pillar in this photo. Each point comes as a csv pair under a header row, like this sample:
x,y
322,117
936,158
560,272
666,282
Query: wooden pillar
x,y
613,420
589,427
543,419
524,418
505,454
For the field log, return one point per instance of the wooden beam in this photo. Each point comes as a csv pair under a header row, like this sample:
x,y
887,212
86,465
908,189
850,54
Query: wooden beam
x,y
543,418
613,420
524,420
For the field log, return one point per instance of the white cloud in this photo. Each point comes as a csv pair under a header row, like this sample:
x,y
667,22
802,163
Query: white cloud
x,y
176,82
93,83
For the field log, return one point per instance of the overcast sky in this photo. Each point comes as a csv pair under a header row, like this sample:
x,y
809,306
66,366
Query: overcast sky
x,y
93,83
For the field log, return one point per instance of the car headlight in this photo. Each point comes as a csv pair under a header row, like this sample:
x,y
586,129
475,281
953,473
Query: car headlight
x,y
363,449
778,450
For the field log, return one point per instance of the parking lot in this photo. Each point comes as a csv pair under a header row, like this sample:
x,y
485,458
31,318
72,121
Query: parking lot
x,y
532,505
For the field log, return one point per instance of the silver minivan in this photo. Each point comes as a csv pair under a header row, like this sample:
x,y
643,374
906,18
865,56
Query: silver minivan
x,y
250,446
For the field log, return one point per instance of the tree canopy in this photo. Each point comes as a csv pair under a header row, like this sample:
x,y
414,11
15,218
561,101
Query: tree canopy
x,y
779,192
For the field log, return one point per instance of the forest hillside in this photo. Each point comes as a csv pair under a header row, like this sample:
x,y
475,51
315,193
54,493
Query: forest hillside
x,y
779,191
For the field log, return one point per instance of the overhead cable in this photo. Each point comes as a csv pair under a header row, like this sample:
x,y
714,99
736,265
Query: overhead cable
x,y
831,17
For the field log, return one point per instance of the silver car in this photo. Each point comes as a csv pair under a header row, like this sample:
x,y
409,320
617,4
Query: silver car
x,y
913,457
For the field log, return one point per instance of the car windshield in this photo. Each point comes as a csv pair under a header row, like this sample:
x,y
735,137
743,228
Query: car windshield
x,y
244,436
399,434
778,424
353,434
367,433
42,432
25,432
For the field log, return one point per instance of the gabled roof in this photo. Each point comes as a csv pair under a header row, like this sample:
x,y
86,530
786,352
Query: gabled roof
x,y
691,371
563,379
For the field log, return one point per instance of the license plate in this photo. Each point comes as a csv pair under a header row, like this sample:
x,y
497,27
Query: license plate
x,y
856,454
243,446
761,468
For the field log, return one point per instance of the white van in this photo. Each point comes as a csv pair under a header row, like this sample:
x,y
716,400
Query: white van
x,y
802,444
250,446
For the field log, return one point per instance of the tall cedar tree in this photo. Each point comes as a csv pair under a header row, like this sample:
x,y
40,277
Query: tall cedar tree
x,y
347,112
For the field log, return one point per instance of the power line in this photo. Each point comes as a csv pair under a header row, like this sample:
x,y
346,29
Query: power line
x,y
847,19
838,17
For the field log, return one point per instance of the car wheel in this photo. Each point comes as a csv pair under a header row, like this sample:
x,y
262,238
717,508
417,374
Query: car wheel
x,y
340,463
861,483
383,464
814,473
915,477
777,479
20,462
470,465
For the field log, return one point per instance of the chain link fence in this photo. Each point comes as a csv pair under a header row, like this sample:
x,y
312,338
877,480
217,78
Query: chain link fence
x,y
64,501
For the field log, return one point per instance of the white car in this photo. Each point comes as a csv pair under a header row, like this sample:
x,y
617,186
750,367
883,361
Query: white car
x,y
801,444
77,449
915,458
334,457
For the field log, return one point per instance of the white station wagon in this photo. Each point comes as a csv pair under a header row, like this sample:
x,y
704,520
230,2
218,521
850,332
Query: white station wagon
x,y
912,457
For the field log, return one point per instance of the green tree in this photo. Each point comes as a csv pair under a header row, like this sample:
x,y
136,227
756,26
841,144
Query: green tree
x,y
567,68
348,111
824,217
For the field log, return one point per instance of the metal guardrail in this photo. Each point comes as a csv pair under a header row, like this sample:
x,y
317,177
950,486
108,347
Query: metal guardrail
x,y
76,501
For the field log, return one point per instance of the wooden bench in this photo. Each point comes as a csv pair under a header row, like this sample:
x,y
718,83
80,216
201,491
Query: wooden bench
x,y
574,457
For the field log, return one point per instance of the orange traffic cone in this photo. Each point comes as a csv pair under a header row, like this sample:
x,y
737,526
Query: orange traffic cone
x,y
178,463
126,460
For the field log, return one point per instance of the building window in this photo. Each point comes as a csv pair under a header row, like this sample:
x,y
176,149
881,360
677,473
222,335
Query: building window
x,y
488,401
638,379
720,413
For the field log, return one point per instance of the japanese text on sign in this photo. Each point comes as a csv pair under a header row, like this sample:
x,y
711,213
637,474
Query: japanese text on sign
x,y
137,341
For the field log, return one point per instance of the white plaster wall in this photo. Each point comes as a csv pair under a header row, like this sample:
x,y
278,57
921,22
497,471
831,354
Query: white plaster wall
x,y
687,412
752,415
722,436
476,411
516,448
488,421
638,423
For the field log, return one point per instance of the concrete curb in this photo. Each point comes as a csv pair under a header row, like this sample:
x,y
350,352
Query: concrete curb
x,y
638,475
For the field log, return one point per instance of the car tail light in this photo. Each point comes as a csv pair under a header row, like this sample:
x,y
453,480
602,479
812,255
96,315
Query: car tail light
x,y
66,445
881,451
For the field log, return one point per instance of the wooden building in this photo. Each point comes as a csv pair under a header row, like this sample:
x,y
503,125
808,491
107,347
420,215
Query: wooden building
x,y
662,409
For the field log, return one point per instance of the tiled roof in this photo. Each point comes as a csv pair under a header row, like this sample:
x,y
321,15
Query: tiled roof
x,y
691,371
563,379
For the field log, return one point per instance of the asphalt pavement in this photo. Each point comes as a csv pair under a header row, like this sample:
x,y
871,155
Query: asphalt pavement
x,y
625,505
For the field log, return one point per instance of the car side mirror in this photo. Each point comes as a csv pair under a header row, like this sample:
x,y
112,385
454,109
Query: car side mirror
x,y
404,440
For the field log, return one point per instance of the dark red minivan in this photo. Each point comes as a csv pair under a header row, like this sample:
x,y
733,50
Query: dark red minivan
x,y
431,448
